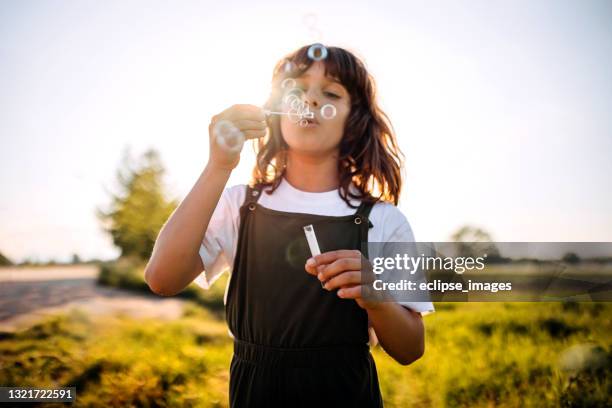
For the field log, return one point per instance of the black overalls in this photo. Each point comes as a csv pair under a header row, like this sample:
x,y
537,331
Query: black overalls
x,y
295,343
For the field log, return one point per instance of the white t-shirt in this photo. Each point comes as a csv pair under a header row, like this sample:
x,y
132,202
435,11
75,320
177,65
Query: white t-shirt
x,y
218,247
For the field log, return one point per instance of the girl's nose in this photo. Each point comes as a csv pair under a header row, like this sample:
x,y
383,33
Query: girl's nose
x,y
311,99
312,102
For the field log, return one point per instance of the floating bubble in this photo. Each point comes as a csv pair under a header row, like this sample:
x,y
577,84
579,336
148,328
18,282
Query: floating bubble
x,y
294,115
317,52
288,83
297,105
224,128
303,123
228,136
295,251
293,93
288,67
310,21
291,98
582,357
328,111
307,114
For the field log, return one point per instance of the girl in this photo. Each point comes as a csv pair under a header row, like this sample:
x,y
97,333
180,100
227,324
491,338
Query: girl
x,y
337,168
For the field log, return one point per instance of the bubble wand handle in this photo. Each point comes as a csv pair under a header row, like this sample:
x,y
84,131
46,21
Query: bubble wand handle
x,y
308,115
269,112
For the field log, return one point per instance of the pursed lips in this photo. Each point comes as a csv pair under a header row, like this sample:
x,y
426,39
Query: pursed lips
x,y
312,121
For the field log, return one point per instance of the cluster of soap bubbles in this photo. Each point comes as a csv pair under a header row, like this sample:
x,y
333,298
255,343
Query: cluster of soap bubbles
x,y
229,137
294,97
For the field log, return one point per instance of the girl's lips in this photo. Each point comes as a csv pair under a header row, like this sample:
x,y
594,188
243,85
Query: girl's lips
x,y
310,123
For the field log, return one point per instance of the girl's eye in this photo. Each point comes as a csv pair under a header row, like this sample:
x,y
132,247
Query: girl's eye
x,y
332,95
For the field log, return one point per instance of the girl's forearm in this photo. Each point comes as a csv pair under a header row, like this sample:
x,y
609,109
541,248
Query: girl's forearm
x,y
399,330
174,261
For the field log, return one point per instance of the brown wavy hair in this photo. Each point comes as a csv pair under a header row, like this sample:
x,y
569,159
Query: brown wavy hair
x,y
369,155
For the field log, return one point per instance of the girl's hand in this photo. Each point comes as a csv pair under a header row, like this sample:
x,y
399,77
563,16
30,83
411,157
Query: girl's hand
x,y
342,270
249,119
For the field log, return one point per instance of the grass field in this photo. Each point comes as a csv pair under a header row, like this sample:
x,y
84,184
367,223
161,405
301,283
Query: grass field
x,y
477,355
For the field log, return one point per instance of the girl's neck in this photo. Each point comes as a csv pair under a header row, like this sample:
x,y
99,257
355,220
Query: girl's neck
x,y
312,174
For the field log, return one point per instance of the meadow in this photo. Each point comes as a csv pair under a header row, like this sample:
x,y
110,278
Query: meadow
x,y
477,355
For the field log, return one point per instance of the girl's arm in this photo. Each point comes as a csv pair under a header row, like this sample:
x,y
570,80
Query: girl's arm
x,y
399,330
175,261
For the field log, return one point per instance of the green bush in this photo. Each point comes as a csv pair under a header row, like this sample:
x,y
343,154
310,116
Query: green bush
x,y
128,273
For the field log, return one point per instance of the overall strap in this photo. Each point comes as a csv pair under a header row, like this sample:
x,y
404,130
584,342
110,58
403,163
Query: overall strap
x,y
252,194
363,212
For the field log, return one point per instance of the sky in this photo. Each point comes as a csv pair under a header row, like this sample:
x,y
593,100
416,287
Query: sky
x,y
501,108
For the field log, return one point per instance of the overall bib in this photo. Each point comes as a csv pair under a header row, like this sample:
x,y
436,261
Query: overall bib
x,y
295,343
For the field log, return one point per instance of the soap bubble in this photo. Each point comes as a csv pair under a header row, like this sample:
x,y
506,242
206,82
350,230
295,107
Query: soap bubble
x,y
288,67
228,136
317,52
307,113
224,128
297,108
298,115
310,21
293,93
582,357
288,83
294,115
303,123
297,104
328,111
296,252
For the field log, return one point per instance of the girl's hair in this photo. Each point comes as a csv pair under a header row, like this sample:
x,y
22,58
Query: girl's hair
x,y
368,153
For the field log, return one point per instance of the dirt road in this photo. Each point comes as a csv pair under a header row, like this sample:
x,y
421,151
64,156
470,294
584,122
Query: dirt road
x,y
28,294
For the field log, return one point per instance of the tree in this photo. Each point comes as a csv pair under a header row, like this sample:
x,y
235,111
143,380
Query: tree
x,y
139,210
473,242
4,261
571,257
76,259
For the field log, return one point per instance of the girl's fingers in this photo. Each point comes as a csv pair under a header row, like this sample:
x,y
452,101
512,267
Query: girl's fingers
x,y
242,111
311,269
338,266
331,263
346,278
353,292
248,124
253,134
331,256
251,114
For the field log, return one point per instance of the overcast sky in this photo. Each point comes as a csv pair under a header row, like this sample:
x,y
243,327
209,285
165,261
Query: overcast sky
x,y
502,108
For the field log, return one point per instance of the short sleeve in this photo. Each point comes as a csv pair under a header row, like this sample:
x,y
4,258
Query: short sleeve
x,y
218,246
403,233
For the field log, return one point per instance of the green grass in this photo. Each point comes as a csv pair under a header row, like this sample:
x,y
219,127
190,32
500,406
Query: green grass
x,y
124,362
477,355
502,354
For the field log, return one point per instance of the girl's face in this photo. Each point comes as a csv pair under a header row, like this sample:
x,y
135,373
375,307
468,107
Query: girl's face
x,y
321,135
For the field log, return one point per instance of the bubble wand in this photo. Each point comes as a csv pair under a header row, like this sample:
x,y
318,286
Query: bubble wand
x,y
307,115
